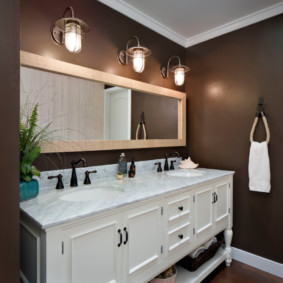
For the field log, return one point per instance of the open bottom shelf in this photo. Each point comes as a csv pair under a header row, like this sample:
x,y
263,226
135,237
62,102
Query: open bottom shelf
x,y
185,276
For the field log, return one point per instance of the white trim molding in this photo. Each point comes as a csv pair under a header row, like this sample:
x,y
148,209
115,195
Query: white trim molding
x,y
237,24
145,20
140,17
258,262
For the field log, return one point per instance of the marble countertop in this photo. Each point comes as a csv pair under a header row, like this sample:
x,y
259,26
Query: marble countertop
x,y
49,210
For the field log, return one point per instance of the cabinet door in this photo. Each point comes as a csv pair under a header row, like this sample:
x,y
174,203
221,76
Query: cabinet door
x,y
142,251
222,202
203,210
92,251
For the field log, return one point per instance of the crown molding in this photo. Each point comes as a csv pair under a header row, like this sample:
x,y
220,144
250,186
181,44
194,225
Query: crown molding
x,y
138,16
145,20
237,24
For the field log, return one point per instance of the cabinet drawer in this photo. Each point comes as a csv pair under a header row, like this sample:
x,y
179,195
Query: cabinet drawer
x,y
179,236
178,208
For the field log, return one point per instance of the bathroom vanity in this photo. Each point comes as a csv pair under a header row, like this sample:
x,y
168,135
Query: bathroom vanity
x,y
147,224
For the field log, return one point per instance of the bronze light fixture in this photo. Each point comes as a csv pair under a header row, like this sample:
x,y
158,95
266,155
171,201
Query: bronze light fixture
x,y
136,52
178,70
69,30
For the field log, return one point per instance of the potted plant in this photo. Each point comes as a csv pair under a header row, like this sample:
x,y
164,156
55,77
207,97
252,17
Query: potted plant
x,y
31,137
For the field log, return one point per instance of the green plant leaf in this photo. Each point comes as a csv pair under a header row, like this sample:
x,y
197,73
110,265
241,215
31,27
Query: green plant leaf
x,y
31,137
25,168
27,177
33,154
34,171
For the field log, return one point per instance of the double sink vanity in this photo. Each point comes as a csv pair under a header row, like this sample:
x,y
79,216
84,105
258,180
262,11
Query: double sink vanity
x,y
113,230
126,230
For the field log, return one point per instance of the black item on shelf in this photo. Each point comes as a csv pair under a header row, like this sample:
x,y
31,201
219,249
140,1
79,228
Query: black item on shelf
x,y
192,264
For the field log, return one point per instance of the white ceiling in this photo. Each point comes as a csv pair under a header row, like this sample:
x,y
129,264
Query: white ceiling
x,y
188,22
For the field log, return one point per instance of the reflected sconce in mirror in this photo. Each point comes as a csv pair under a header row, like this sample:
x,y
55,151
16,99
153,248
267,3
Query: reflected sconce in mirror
x,y
69,30
136,52
178,70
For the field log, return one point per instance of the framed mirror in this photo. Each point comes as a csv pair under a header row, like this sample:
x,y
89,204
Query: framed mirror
x,y
94,110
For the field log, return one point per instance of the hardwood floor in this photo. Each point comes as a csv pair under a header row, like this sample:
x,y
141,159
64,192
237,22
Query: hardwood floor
x,y
240,273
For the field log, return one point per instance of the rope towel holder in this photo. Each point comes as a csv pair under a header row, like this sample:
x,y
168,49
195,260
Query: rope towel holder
x,y
259,114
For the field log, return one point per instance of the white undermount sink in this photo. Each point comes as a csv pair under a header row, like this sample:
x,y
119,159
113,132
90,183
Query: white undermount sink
x,y
93,194
186,173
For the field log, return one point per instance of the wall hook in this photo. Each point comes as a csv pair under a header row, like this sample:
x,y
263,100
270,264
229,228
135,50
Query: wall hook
x,y
260,107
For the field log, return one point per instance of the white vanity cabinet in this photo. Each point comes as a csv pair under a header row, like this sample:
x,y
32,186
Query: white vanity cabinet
x,y
117,248
122,247
212,205
132,243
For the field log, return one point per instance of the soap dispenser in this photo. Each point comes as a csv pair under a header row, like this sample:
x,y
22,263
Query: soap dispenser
x,y
122,164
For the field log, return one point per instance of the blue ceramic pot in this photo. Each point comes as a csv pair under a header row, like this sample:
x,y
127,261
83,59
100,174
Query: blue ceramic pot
x,y
28,190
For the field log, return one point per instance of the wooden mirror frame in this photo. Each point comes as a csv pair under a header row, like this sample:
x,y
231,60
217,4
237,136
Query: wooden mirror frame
x,y
52,65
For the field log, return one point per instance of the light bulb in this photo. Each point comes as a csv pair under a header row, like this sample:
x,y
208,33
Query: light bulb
x,y
138,60
179,76
73,37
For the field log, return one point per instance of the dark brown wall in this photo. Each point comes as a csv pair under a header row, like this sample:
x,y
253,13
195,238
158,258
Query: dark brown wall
x,y
160,116
229,74
109,31
9,142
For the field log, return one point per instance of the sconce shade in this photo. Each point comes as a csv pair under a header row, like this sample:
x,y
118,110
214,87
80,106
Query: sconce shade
x,y
137,53
73,37
138,61
69,31
179,76
178,70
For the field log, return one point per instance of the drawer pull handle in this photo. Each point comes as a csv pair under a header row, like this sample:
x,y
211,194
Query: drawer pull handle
x,y
181,208
127,236
121,238
181,236
213,195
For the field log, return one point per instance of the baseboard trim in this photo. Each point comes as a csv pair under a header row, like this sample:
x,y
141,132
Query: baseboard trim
x,y
259,262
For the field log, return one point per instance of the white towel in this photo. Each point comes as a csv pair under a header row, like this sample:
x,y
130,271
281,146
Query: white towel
x,y
197,252
259,168
210,242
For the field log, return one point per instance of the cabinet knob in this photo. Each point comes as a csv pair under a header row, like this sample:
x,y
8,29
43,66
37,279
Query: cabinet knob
x,y
181,208
181,236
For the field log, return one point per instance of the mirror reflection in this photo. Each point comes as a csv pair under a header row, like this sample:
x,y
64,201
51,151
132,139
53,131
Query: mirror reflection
x,y
88,110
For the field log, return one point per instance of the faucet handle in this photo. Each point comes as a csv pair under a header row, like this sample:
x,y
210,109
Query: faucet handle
x,y
159,169
60,184
172,164
87,179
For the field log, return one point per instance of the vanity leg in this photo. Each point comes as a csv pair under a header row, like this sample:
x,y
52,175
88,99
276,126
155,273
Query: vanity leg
x,y
228,233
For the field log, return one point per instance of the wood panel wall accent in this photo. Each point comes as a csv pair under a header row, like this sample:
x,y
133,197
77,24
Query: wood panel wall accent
x,y
73,105
53,65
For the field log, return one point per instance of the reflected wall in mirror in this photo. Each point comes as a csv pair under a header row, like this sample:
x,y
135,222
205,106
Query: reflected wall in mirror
x,y
92,114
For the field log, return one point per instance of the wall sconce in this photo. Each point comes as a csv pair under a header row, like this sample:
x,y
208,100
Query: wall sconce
x,y
138,54
68,31
178,70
